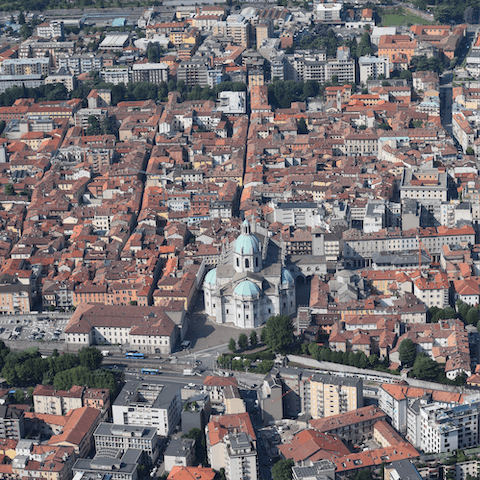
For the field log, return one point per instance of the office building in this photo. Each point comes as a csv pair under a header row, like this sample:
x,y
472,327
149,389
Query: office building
x,y
109,465
125,437
148,405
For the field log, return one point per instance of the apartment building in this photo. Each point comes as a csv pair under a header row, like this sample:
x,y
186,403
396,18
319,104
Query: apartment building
x,y
326,395
355,426
394,401
155,73
29,81
11,422
148,405
343,67
51,29
232,445
26,66
125,437
236,27
446,429
372,67
80,63
115,75
193,72
47,400
15,296
328,12
463,131
50,401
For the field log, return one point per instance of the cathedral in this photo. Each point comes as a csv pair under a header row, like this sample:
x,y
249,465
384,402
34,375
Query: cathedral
x,y
250,283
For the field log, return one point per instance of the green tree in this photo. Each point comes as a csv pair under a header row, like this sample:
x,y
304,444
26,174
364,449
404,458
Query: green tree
x,y
365,46
425,368
405,75
407,352
279,332
9,190
93,126
25,31
282,470
472,316
265,366
30,391
253,338
470,151
314,350
90,357
302,128
200,450
19,396
232,346
21,19
243,341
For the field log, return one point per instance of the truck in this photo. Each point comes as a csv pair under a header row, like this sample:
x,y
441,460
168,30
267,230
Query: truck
x,y
188,372
105,353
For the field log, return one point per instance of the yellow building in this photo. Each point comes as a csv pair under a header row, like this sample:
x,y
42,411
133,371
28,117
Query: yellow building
x,y
328,395
233,400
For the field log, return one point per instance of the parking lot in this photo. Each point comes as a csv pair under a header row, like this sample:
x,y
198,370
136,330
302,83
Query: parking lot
x,y
42,327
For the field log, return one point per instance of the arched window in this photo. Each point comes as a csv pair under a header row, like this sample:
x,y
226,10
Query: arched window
x,y
256,261
247,263
238,263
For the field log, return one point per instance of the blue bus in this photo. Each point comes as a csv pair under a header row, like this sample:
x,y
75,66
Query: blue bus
x,y
134,355
150,371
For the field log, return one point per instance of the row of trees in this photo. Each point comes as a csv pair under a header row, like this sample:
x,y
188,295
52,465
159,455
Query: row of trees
x,y
243,341
27,367
469,314
358,359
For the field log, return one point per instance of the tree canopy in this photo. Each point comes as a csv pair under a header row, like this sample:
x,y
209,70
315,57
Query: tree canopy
x,y
279,332
282,470
407,352
425,368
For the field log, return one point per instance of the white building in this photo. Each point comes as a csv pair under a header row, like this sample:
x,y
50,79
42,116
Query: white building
x,y
250,284
148,405
374,219
373,67
446,429
232,102
50,30
232,445
328,12
115,75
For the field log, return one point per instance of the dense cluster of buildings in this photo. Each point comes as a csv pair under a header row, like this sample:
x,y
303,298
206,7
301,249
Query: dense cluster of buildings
x,y
355,212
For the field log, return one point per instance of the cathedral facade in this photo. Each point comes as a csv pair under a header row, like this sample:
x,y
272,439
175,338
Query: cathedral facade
x,y
250,283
